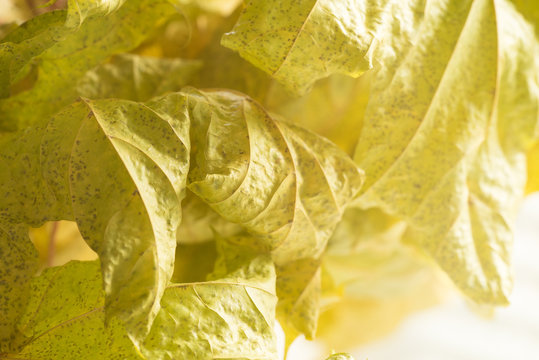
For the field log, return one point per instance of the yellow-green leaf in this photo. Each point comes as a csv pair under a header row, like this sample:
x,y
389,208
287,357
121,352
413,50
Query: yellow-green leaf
x,y
66,61
371,278
299,42
230,316
299,289
79,10
443,138
288,187
18,264
65,318
137,78
118,168
24,43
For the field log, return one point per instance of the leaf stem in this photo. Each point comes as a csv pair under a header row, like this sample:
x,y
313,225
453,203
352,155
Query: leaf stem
x,y
52,244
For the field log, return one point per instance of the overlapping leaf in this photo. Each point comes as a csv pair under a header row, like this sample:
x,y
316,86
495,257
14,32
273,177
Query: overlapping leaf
x,y
299,42
26,42
449,134
230,316
61,62
117,168
286,186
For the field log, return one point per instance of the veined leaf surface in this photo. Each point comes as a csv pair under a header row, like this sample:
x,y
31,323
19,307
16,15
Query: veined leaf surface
x,y
449,134
299,42
118,168
288,187
65,318
230,316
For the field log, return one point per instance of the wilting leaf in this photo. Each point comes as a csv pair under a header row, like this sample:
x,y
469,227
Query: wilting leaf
x,y
66,61
231,316
65,318
18,264
299,42
454,148
137,78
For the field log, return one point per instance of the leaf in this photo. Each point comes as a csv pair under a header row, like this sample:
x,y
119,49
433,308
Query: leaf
x,y
117,168
449,134
137,78
79,10
65,318
66,61
231,316
299,290
18,264
530,11
24,43
285,185
301,42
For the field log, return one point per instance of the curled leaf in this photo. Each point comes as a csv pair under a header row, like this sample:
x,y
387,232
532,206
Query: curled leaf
x,y
288,187
118,168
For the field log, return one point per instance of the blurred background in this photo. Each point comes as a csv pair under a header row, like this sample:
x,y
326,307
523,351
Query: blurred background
x,y
454,330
